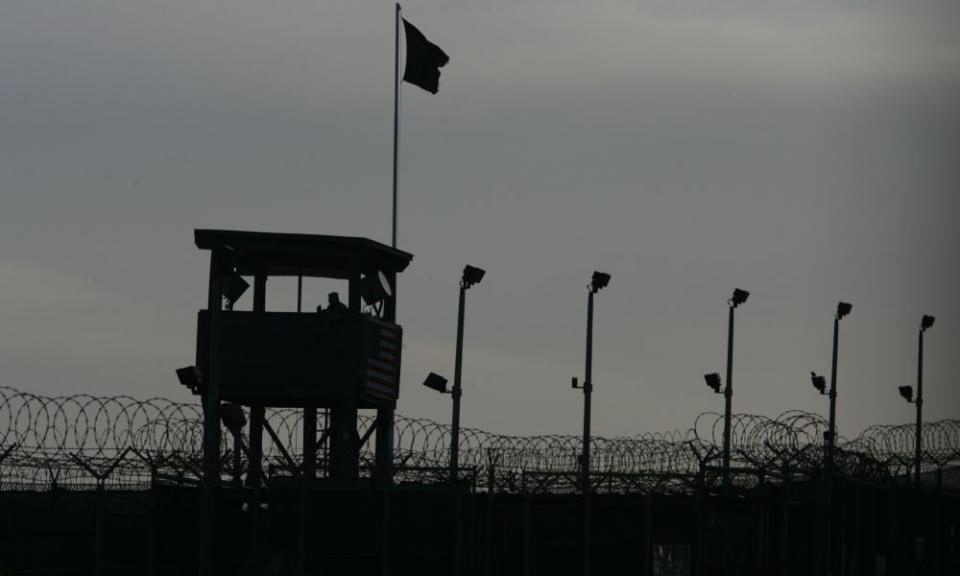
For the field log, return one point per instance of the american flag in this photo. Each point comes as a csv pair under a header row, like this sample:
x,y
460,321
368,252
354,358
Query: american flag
x,y
382,360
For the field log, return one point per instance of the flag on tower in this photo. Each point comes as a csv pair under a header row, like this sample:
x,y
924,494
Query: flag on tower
x,y
424,60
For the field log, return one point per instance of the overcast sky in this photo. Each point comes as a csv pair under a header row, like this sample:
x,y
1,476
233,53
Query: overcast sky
x,y
804,151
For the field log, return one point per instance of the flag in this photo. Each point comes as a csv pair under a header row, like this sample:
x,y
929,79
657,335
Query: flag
x,y
424,60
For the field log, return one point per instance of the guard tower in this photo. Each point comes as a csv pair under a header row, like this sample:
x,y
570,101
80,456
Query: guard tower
x,y
343,358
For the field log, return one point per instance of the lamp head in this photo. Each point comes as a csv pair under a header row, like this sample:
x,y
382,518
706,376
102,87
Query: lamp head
x,y
926,322
192,378
436,382
233,287
907,393
819,382
713,381
843,308
739,297
599,281
472,275
375,288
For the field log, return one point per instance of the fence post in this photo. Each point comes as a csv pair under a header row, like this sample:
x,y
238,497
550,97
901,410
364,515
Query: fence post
x,y
99,529
3,457
527,519
648,533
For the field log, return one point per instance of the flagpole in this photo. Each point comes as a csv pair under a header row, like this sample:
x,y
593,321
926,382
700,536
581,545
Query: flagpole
x,y
396,115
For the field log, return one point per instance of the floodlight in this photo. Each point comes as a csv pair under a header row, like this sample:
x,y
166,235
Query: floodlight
x,y
926,322
436,382
843,308
375,288
819,382
599,281
233,417
739,297
472,275
713,381
192,378
233,288
573,382
907,393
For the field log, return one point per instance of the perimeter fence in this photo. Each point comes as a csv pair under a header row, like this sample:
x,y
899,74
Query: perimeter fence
x,y
82,442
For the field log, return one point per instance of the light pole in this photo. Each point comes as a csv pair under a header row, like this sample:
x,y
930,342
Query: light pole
x,y
713,381
843,309
738,298
597,283
471,275
907,392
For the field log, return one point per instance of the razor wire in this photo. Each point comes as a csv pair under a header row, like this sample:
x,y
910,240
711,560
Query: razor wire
x,y
82,441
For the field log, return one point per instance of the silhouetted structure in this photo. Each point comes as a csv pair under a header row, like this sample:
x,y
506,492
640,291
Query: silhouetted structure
x,y
342,358
120,486
75,467
59,442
